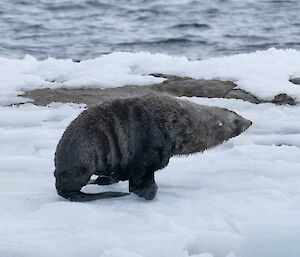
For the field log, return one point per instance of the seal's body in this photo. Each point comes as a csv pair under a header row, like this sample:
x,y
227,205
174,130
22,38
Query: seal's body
x,y
130,139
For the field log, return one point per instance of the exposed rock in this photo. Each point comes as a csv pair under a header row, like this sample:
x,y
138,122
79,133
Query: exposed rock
x,y
174,85
241,94
295,81
88,96
195,87
283,99
186,86
169,77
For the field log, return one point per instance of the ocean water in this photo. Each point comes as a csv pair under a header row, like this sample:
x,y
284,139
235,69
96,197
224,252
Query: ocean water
x,y
196,29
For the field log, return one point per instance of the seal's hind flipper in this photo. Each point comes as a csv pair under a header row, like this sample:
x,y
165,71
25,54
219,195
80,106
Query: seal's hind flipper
x,y
84,197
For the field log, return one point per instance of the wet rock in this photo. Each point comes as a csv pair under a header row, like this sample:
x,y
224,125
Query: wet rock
x,y
283,99
169,77
243,95
194,87
295,81
174,85
88,96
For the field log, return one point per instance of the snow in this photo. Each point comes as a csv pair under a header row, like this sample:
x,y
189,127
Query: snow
x,y
240,199
263,73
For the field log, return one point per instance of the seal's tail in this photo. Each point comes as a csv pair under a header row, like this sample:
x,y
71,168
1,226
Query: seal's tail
x,y
84,197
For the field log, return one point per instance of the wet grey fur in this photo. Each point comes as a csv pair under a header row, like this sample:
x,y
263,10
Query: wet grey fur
x,y
129,139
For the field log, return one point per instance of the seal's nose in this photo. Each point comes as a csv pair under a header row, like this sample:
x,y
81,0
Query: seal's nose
x,y
241,125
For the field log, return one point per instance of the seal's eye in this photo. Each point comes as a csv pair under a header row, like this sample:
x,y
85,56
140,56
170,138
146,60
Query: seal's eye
x,y
220,124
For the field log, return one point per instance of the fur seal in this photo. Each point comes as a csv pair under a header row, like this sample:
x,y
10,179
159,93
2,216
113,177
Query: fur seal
x,y
129,139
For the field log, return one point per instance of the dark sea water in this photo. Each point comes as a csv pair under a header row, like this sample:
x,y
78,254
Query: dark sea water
x,y
82,29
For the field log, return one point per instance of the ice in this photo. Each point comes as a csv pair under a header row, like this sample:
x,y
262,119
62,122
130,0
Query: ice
x,y
225,200
263,73
240,199
271,240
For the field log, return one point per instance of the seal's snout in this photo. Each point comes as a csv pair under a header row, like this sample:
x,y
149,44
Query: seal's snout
x,y
241,125
248,123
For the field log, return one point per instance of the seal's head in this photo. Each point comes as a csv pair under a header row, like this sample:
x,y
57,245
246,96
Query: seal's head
x,y
227,124
211,127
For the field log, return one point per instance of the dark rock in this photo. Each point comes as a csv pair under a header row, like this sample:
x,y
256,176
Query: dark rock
x,y
174,85
283,99
241,94
295,81
88,96
195,87
169,77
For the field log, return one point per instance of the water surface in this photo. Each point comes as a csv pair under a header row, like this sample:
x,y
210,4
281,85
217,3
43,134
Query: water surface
x,y
197,29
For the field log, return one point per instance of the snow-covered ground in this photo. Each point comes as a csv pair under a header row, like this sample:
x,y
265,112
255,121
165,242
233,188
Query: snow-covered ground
x,y
263,73
241,199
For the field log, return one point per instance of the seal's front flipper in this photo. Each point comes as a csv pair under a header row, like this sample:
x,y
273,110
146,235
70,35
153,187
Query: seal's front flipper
x,y
147,191
147,188
84,197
